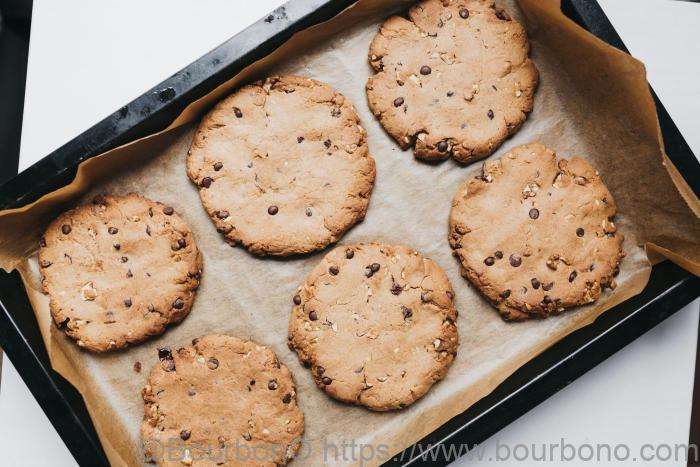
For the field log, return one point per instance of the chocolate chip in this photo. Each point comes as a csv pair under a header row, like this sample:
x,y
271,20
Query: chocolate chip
x,y
505,293
185,435
490,114
272,210
178,304
65,228
320,370
297,300
218,166
313,316
237,112
547,287
334,270
206,182
442,146
112,230
165,352
464,13
45,263
191,392
213,363
374,267
252,382
123,259
424,297
42,242
500,14
309,212
425,70
150,212
335,112
326,380
546,299
223,214
327,143
168,211
137,367
287,398
534,213
127,303
580,232
349,254
272,385
396,289
117,246
300,139
515,260
572,276
535,283
398,102
489,261
129,274
148,230
407,312
498,254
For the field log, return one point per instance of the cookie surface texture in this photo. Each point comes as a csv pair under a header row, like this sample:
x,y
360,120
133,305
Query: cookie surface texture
x,y
220,401
454,79
375,324
282,166
118,271
535,234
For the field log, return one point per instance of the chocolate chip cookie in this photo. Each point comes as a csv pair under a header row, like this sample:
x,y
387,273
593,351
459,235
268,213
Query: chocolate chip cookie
x,y
452,79
535,234
221,401
282,166
376,325
118,271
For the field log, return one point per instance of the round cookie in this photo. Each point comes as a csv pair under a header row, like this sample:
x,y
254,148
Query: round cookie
x,y
376,325
222,401
454,79
118,271
282,166
535,234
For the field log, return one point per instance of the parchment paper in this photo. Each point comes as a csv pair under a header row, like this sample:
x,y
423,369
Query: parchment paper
x,y
593,101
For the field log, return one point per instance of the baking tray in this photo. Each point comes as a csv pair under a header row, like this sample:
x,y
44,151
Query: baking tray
x,y
668,290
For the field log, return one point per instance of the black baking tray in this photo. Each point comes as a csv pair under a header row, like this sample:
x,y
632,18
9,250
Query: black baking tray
x,y
669,288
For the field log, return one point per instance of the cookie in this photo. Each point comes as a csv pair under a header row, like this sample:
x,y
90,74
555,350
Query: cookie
x,y
282,166
376,325
118,271
221,401
454,79
535,234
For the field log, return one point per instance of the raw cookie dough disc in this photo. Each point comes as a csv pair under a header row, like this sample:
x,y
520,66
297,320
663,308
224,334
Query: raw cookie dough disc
x,y
536,235
452,80
222,401
376,324
118,271
282,166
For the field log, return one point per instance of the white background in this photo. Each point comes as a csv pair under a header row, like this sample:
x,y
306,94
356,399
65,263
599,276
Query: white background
x,y
87,59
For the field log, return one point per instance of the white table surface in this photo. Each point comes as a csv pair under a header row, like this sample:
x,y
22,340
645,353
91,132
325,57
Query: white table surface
x,y
87,59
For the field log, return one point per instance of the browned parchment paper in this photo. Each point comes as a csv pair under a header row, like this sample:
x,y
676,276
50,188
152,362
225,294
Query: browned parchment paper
x,y
593,101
